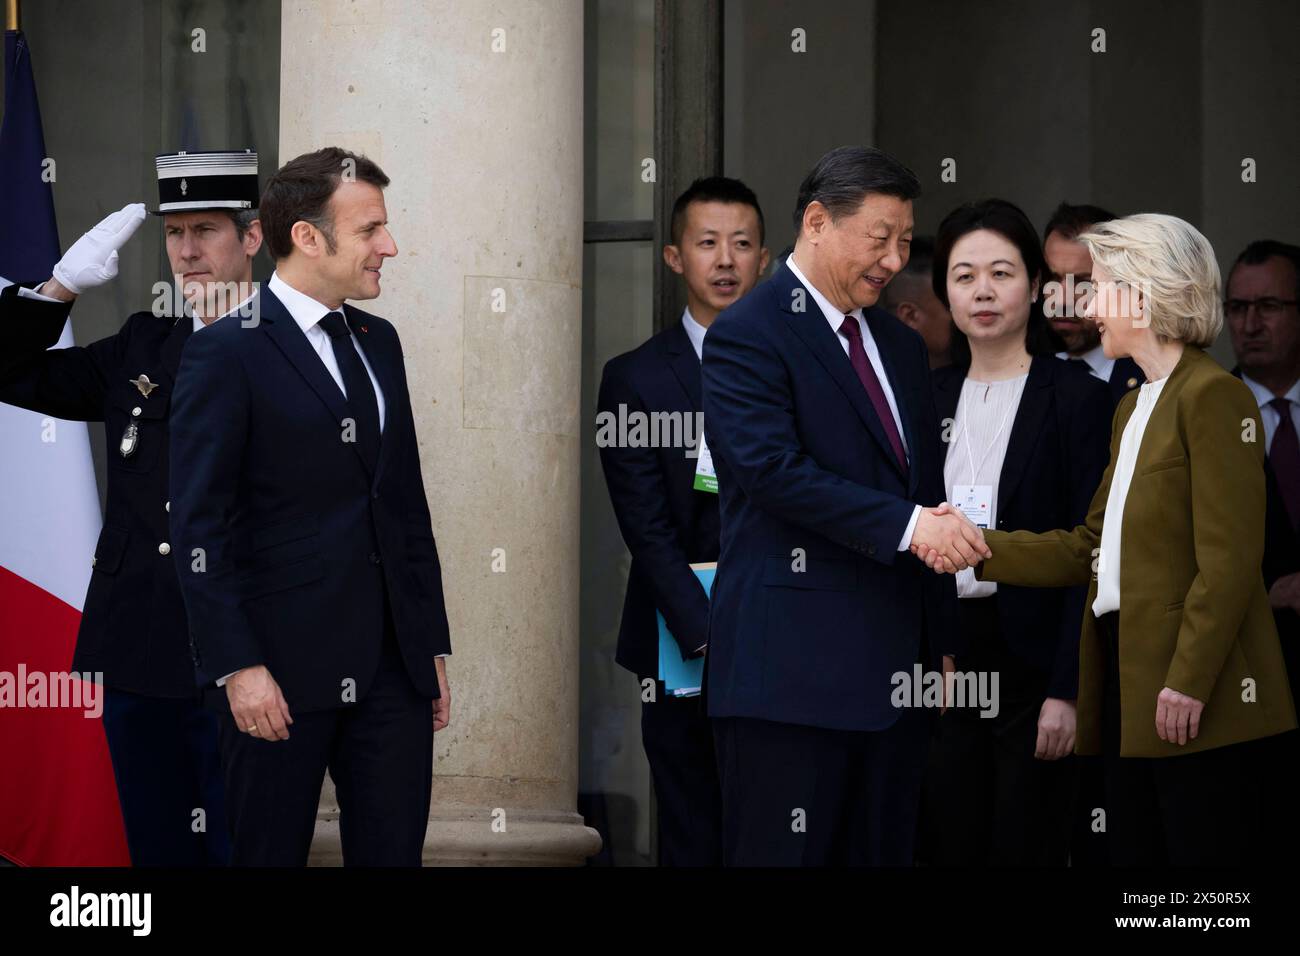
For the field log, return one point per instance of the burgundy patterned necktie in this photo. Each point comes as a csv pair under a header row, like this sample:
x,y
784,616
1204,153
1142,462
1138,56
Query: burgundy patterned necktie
x,y
1284,456
867,375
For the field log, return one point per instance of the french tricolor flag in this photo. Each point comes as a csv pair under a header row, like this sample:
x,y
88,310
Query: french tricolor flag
x,y
58,802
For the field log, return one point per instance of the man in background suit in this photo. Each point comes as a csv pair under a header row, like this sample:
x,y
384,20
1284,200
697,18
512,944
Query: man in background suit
x,y
669,524
162,742
303,539
910,296
821,421
1263,319
1071,271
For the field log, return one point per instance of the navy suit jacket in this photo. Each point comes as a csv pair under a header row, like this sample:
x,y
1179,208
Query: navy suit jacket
x,y
814,608
133,621
1281,558
299,540
666,524
1056,455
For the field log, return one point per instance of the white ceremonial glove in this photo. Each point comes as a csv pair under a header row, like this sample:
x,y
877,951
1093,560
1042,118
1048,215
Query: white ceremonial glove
x,y
92,260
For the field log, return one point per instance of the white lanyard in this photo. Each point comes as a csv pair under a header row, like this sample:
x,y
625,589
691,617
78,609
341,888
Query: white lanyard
x,y
970,455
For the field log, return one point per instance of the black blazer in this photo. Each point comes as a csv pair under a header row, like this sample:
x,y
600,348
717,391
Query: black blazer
x,y
666,524
133,620
1056,455
300,543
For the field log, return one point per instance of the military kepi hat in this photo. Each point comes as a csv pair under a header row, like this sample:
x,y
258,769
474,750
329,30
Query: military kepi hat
x,y
215,179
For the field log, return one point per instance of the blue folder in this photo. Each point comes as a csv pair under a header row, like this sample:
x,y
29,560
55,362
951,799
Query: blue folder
x,y
682,678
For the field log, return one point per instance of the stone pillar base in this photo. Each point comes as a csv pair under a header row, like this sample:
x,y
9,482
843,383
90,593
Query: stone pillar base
x,y
483,836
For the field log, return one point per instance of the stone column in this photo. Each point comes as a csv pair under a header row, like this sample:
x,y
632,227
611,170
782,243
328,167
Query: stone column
x,y
475,112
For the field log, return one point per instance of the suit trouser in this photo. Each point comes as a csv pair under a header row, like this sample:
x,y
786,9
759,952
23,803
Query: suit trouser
x,y
1197,809
379,753
988,801
165,764
678,740
808,796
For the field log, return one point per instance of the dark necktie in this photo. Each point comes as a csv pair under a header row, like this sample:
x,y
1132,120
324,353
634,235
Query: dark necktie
x,y
1284,456
356,382
867,375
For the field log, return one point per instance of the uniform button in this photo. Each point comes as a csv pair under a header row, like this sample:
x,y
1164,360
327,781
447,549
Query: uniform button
x,y
167,507
136,411
871,550
164,548
374,495
375,558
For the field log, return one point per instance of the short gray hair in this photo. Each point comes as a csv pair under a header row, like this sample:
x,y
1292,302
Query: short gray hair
x,y
1173,266
242,218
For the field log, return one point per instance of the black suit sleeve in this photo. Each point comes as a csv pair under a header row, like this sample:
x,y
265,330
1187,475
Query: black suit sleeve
x,y
421,548
66,383
1084,430
640,499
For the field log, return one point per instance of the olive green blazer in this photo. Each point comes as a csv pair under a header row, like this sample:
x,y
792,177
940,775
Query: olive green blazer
x,y
1194,614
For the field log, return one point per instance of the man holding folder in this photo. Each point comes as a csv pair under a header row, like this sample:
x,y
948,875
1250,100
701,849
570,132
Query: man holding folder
x,y
667,522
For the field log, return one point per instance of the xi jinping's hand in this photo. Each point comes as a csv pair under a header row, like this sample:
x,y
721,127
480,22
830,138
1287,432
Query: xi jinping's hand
x,y
946,540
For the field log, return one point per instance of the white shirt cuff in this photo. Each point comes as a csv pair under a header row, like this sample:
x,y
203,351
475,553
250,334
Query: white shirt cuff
x,y
911,527
35,294
222,681
448,654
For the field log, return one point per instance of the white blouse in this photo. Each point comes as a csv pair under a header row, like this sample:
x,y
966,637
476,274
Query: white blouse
x,y
986,412
1112,527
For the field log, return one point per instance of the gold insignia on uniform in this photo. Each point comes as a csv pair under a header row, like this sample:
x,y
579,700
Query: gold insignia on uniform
x,y
1132,383
143,384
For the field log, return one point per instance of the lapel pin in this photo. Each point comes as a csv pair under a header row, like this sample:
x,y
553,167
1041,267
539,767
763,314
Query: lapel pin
x,y
143,384
363,328
1132,382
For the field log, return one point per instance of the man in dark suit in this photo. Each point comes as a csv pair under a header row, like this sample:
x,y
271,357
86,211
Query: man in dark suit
x,y
667,521
822,426
910,296
1263,319
1070,266
162,743
303,539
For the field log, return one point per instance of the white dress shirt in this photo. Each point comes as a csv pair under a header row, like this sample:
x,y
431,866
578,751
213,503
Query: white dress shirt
x,y
1269,414
307,312
1112,527
836,318
1098,364
200,324
986,413
26,293
694,331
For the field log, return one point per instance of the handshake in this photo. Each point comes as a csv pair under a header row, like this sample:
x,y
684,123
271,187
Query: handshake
x,y
947,541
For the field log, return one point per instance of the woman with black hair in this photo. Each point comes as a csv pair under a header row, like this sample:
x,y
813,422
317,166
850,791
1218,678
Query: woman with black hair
x,y
1027,442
